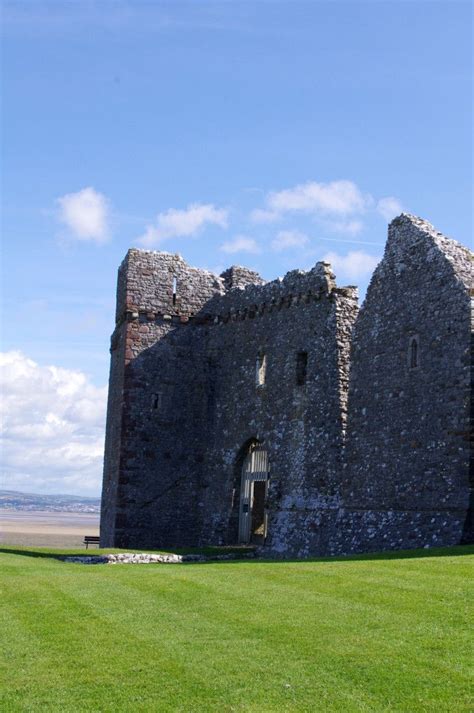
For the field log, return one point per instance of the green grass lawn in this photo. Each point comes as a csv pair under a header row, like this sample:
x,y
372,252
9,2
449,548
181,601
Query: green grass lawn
x,y
380,633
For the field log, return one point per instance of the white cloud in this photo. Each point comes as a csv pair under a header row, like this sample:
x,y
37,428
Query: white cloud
x,y
53,423
354,265
183,223
86,214
286,239
335,205
263,216
389,207
240,244
349,227
337,198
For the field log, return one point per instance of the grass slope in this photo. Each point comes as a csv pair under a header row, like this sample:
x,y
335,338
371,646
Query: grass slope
x,y
381,633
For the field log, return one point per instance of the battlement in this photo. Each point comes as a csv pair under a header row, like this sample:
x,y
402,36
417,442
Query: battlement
x,y
160,283
240,277
297,287
160,286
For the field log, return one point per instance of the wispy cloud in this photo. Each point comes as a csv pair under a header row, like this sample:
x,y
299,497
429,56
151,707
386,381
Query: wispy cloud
x,y
337,198
352,241
260,215
86,214
240,244
354,265
389,207
53,427
287,239
337,206
175,223
348,227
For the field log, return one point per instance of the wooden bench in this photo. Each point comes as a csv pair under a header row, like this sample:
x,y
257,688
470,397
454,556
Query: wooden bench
x,y
91,540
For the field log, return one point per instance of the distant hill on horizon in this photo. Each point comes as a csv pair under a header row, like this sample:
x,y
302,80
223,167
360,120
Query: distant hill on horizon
x,y
16,500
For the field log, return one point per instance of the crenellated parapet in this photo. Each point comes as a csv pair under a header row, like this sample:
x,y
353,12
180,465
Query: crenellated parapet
x,y
296,288
157,288
159,283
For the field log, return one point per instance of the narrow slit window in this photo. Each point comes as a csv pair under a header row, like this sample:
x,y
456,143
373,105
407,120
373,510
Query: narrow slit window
x,y
301,368
155,402
261,369
175,286
414,353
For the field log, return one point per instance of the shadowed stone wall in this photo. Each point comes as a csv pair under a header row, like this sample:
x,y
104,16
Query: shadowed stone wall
x,y
300,424
155,421
407,459
367,451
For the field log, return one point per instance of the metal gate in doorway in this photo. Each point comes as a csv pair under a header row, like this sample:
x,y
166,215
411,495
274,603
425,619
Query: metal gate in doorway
x,y
253,491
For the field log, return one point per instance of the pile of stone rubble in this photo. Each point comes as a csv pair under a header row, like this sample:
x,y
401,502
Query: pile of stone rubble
x,y
149,558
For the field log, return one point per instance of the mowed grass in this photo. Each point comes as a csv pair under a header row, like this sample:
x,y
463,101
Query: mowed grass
x,y
382,633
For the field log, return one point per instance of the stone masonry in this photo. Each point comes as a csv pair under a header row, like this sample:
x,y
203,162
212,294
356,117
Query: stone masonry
x,y
363,415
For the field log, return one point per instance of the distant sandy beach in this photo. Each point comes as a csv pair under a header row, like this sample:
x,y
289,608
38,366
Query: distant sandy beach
x,y
46,529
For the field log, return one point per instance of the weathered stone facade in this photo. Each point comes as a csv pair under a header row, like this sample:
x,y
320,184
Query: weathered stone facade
x,y
363,416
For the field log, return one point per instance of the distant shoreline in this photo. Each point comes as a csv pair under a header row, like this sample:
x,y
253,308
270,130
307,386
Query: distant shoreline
x,y
12,500
57,509
46,528
46,514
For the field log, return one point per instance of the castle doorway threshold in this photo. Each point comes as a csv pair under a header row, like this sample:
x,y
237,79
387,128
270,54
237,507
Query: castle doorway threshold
x,y
253,491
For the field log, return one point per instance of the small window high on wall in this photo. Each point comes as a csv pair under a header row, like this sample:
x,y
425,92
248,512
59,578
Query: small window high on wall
x,y
414,353
301,368
261,369
156,402
175,287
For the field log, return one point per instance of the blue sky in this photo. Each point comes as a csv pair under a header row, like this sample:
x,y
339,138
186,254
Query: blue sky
x,y
269,134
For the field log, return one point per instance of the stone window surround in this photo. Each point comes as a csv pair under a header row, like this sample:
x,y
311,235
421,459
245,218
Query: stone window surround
x,y
413,354
301,367
260,369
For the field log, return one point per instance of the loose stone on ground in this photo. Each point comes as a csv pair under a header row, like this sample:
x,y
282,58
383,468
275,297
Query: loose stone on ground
x,y
146,558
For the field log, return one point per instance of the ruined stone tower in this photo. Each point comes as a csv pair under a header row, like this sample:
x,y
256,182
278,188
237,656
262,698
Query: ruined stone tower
x,y
279,414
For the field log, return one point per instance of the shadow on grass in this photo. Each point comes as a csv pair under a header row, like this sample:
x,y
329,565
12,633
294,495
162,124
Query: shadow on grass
x,y
242,554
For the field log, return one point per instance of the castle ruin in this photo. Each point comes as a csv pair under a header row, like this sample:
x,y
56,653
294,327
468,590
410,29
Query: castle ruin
x,y
281,414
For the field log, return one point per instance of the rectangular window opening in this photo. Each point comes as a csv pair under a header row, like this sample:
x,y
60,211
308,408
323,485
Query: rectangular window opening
x,y
175,285
261,369
301,368
156,402
414,352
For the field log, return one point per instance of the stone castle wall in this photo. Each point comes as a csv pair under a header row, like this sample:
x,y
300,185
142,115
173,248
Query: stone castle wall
x,y
407,455
300,424
365,452
154,414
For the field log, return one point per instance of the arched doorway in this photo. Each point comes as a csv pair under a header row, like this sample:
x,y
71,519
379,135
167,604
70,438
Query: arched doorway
x,y
253,490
